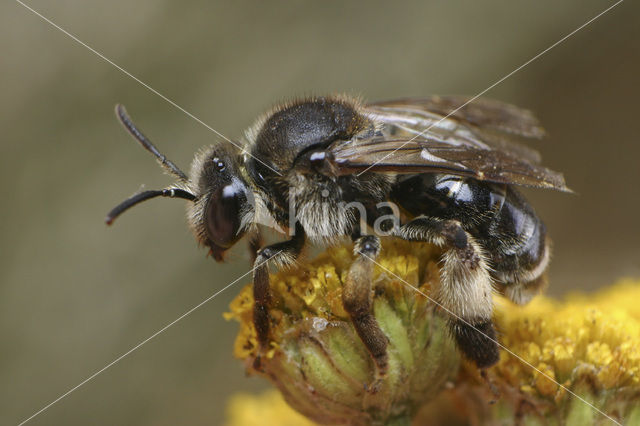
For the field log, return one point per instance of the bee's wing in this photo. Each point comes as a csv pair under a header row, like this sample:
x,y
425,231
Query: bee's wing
x,y
486,122
476,142
481,112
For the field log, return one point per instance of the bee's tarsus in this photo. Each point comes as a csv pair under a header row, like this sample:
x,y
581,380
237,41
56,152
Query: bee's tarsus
x,y
357,299
476,341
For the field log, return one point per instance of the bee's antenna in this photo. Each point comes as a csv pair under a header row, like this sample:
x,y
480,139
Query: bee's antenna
x,y
167,164
146,195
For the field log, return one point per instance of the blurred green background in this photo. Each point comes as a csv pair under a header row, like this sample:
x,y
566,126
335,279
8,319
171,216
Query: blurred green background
x,y
75,295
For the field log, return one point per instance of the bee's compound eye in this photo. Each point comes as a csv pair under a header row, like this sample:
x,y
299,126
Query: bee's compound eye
x,y
223,214
219,163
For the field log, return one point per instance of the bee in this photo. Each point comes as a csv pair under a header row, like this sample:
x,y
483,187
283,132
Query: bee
x,y
438,169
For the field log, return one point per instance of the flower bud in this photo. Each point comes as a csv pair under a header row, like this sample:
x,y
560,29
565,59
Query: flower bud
x,y
320,364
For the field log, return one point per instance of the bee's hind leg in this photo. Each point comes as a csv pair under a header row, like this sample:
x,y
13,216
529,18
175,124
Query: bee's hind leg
x,y
465,289
357,299
282,253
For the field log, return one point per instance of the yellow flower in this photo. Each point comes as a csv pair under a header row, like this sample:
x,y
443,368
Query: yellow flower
x,y
266,409
320,364
592,338
588,345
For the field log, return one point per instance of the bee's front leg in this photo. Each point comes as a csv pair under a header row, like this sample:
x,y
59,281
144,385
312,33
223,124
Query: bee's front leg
x,y
283,253
357,299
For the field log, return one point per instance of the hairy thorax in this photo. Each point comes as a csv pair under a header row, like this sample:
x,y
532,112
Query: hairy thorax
x,y
318,204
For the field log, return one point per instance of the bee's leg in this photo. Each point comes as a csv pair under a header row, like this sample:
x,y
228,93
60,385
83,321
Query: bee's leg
x,y
465,288
357,299
283,253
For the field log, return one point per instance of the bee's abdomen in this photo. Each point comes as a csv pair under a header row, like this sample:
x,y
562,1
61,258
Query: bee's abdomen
x,y
517,241
446,197
500,219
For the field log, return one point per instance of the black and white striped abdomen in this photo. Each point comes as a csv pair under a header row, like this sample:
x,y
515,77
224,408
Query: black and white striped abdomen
x,y
516,240
498,216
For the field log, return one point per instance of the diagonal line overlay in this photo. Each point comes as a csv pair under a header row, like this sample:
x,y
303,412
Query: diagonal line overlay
x,y
494,84
247,273
163,329
77,40
495,341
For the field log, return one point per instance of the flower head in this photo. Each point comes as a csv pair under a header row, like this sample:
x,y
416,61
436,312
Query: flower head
x,y
571,362
318,361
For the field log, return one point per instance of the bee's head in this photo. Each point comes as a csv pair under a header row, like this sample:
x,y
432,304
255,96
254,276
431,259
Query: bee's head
x,y
221,201
223,207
